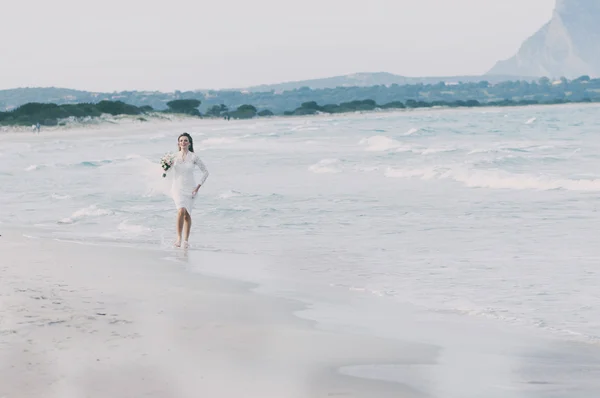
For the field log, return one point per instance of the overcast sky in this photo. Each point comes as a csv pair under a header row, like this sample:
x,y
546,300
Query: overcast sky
x,y
189,44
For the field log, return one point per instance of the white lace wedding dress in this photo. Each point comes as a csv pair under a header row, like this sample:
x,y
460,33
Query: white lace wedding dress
x,y
183,179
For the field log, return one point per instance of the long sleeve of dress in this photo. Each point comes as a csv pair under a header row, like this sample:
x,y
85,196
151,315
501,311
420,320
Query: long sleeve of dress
x,y
203,168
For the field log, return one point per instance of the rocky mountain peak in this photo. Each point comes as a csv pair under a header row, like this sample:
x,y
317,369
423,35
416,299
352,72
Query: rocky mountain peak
x,y
568,45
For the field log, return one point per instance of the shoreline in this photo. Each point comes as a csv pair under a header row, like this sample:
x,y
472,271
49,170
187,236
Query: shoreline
x,y
100,123
80,317
79,321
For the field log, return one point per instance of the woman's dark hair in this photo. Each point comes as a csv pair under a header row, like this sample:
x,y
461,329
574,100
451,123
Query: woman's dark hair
x,y
189,137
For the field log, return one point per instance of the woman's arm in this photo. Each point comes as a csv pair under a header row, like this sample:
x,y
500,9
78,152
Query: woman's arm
x,y
204,170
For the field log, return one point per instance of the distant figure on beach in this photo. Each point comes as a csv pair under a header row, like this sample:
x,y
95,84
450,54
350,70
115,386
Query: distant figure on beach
x,y
36,128
185,188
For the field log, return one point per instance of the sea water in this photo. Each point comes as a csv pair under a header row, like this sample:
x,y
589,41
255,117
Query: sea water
x,y
486,213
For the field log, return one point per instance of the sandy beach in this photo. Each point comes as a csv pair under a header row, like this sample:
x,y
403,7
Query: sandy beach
x,y
106,124
82,320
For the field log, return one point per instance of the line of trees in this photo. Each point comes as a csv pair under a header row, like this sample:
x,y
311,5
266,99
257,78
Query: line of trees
x,y
311,107
50,114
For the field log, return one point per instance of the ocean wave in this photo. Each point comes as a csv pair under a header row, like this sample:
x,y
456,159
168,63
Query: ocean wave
x,y
16,148
60,197
496,179
89,163
514,159
86,212
215,142
232,194
518,147
405,149
114,162
230,210
366,169
84,163
499,150
326,166
305,127
380,143
425,173
133,229
432,151
505,315
158,137
465,308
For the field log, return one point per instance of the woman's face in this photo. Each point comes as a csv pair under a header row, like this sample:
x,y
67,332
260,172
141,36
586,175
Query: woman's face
x,y
184,143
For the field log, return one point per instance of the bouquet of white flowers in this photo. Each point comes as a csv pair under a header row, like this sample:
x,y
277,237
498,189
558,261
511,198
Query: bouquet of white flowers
x,y
166,162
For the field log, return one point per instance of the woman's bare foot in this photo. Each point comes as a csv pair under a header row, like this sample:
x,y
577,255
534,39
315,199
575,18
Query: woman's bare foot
x,y
177,243
186,244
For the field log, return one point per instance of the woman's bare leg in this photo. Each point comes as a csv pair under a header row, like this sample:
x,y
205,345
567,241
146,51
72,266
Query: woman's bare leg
x,y
187,226
180,220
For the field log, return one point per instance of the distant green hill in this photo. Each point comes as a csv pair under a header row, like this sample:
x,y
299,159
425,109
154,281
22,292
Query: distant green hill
x,y
377,79
12,98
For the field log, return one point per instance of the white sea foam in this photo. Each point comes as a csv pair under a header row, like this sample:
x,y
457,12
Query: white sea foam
x,y
431,151
60,197
380,143
86,212
366,169
149,173
406,148
516,146
307,129
215,142
230,194
326,166
133,229
495,179
423,173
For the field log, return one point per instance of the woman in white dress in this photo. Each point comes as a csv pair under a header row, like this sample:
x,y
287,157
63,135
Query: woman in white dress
x,y
185,188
